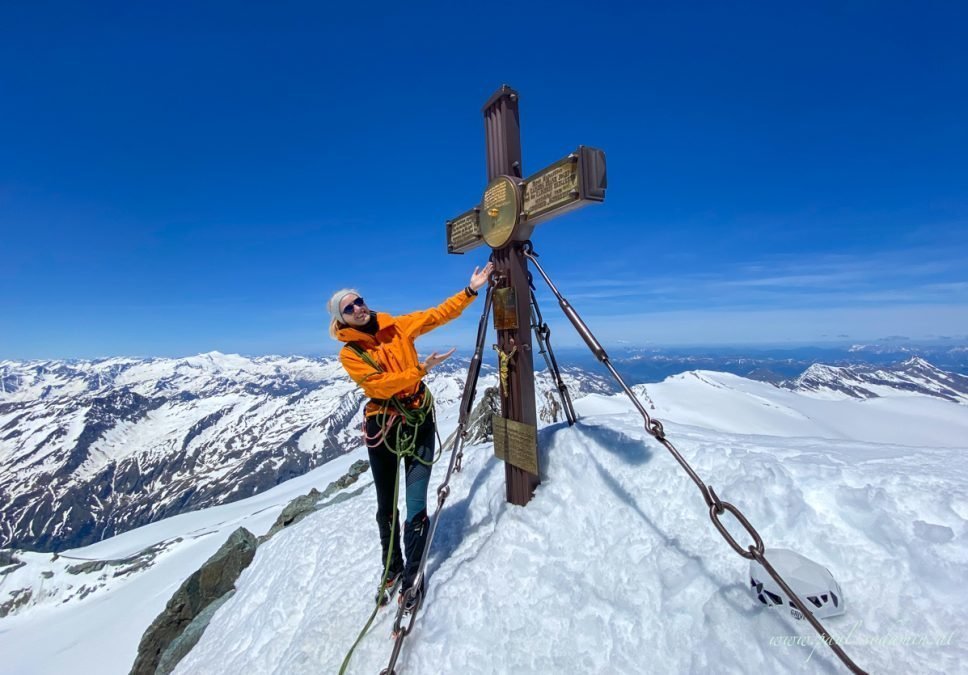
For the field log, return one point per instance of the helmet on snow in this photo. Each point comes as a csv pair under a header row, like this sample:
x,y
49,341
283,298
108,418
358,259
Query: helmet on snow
x,y
814,584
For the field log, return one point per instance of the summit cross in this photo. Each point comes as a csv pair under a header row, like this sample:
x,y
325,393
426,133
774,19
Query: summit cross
x,y
510,208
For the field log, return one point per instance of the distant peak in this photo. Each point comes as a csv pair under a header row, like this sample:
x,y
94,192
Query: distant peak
x,y
918,362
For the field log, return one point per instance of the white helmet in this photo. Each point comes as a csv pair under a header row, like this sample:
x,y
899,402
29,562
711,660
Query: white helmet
x,y
814,584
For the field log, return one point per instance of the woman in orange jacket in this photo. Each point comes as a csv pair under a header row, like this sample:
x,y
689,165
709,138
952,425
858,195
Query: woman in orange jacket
x,y
380,356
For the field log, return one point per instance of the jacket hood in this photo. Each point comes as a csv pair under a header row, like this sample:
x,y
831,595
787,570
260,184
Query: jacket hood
x,y
348,333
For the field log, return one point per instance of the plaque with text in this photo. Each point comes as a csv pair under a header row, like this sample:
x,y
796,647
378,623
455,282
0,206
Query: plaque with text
x,y
516,443
569,183
551,189
499,211
511,208
505,309
464,232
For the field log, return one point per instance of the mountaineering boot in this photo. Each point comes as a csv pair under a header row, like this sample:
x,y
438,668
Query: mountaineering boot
x,y
414,537
385,594
396,561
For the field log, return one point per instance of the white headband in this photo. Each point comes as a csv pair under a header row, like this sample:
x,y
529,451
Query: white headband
x,y
333,305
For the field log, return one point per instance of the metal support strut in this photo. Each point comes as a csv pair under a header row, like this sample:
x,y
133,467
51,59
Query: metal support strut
x,y
756,551
542,334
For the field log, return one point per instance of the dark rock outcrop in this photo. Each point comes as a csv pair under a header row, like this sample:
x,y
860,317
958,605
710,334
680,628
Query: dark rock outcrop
x,y
189,637
480,427
176,630
209,583
302,506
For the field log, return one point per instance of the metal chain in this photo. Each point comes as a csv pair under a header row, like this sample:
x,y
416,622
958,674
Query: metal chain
x,y
717,508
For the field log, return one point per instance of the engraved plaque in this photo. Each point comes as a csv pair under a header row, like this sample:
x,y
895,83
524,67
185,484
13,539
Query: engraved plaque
x,y
516,443
505,309
568,184
464,232
500,211
551,188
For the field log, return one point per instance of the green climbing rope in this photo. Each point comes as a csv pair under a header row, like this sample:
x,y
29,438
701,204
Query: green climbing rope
x,y
399,426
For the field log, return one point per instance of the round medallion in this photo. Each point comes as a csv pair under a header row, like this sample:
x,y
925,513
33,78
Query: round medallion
x,y
500,211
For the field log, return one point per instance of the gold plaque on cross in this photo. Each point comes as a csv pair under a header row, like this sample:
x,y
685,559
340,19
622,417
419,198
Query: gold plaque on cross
x,y
500,211
505,309
516,443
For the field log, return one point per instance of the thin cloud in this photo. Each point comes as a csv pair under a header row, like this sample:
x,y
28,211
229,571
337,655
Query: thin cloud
x,y
879,279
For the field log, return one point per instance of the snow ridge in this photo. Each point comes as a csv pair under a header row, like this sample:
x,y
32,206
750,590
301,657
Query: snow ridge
x,y
915,375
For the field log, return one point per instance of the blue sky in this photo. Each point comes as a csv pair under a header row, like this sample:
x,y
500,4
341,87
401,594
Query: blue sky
x,y
184,177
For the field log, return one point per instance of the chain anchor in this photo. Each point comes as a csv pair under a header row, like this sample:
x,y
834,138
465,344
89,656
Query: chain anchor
x,y
716,506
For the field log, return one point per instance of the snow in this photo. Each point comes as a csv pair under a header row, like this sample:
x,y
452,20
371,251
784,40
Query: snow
x,y
733,404
103,630
614,567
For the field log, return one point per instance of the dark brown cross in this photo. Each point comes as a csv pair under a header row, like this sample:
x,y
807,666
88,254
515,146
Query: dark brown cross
x,y
510,209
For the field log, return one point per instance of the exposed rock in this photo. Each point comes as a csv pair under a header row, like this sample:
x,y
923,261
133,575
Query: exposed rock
x,y
302,506
295,511
9,562
356,469
209,583
8,558
551,407
173,634
12,568
18,599
87,567
134,563
480,426
189,637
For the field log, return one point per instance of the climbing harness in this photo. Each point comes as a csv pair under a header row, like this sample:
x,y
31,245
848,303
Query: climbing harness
x,y
397,417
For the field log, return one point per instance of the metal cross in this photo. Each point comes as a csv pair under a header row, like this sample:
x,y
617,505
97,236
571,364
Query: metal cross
x,y
510,208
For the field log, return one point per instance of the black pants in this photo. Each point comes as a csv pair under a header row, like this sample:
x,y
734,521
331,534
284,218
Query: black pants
x,y
383,464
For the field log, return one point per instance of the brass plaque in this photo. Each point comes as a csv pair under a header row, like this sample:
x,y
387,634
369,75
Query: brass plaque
x,y
505,309
500,211
464,232
570,183
516,443
551,188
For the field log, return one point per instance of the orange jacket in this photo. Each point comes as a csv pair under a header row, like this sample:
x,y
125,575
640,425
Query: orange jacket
x,y
392,347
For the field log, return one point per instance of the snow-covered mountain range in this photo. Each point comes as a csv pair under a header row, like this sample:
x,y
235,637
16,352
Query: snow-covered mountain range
x,y
91,449
914,375
613,567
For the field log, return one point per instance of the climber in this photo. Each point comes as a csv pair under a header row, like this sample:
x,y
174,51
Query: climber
x,y
380,356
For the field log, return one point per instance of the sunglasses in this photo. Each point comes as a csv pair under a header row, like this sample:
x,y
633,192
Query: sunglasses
x,y
349,309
